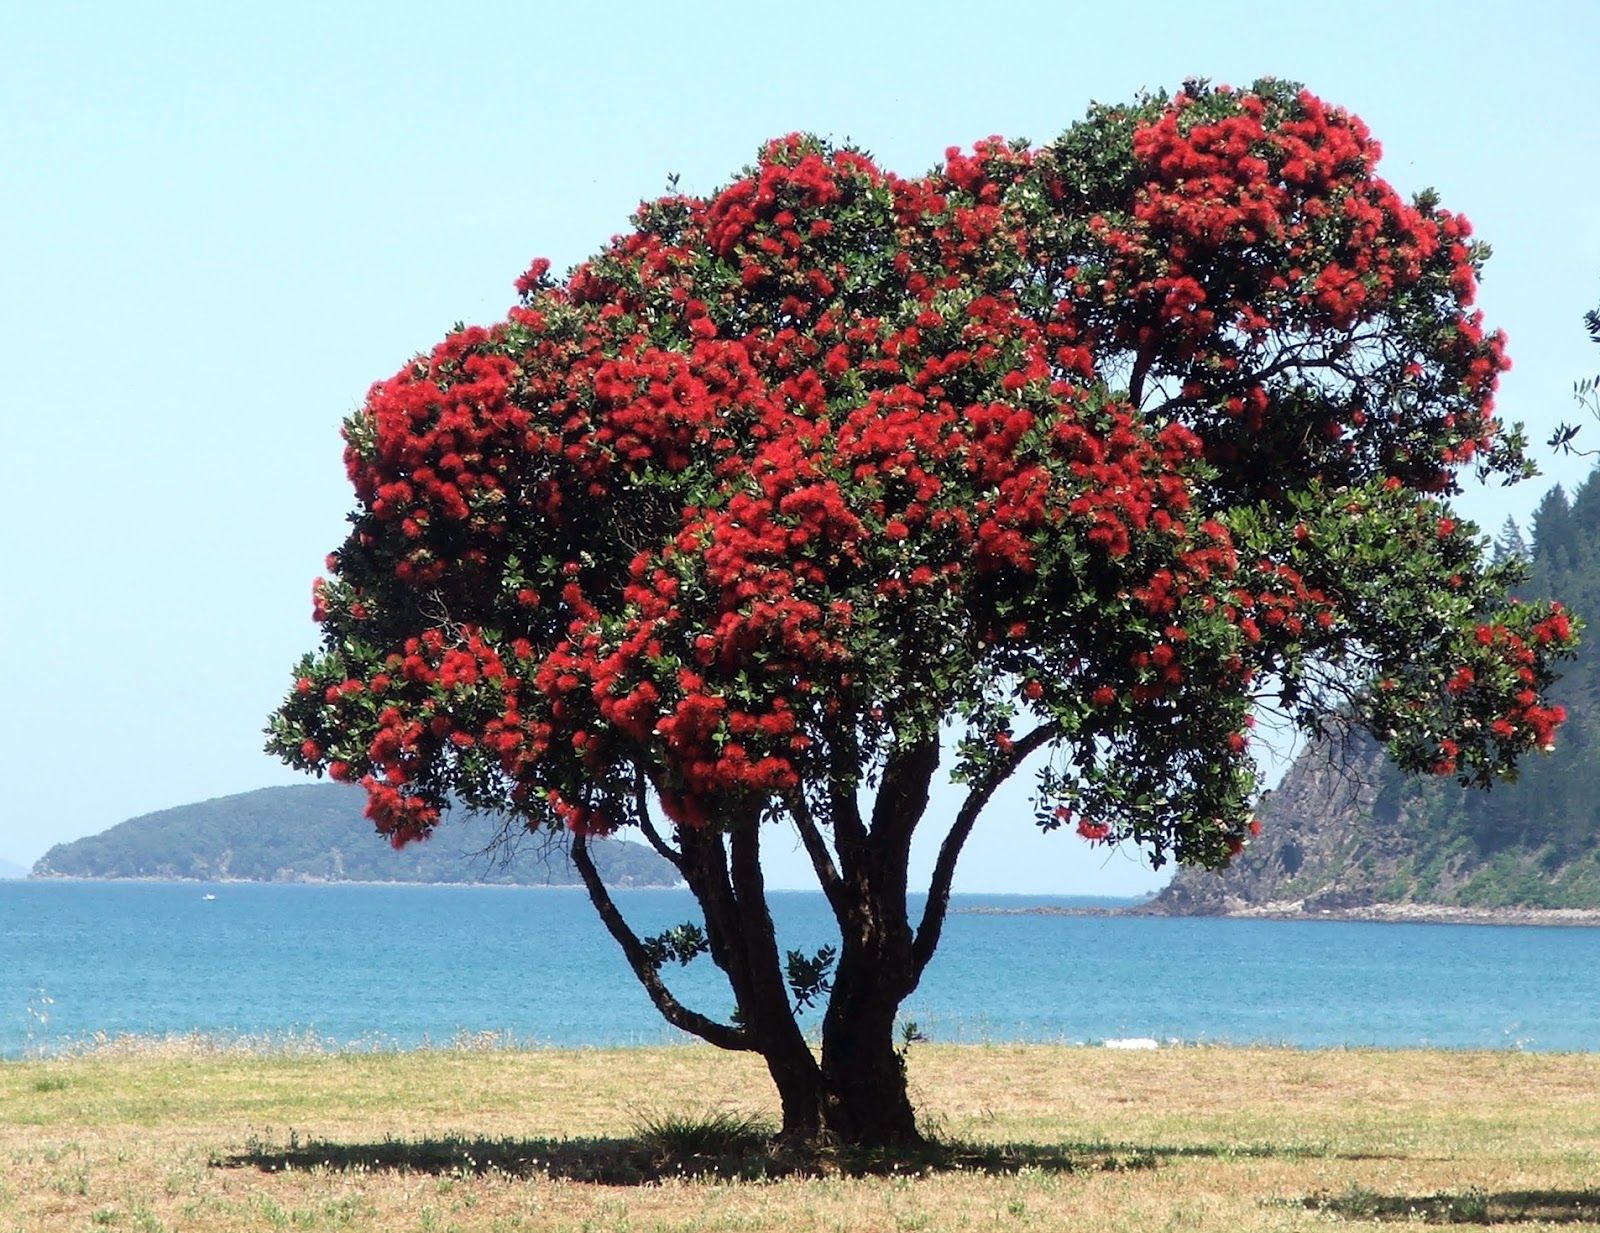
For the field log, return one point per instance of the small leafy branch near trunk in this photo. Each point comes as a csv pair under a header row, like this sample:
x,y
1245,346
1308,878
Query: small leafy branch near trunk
x,y
1586,393
1085,452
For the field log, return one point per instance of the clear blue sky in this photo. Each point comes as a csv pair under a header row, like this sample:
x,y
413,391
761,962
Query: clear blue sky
x,y
219,227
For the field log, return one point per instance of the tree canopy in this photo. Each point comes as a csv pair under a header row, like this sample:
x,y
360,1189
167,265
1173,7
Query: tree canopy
x,y
1081,452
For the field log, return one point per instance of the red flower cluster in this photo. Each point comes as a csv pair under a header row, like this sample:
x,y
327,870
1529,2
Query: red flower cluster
x,y
1259,218
1527,720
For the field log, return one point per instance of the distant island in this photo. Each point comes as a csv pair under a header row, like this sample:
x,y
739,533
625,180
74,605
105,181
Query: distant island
x,y
317,833
1346,835
9,870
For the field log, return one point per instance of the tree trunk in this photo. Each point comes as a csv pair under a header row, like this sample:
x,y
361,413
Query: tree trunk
x,y
865,1079
858,1097
863,1076
856,1094
801,1096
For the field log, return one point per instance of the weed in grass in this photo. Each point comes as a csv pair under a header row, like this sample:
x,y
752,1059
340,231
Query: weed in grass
x,y
38,1011
713,1133
482,1042
144,1221
73,1182
289,1043
271,1210
183,1180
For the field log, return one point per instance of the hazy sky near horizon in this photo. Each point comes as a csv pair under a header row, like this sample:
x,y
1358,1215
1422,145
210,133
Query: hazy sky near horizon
x,y
221,224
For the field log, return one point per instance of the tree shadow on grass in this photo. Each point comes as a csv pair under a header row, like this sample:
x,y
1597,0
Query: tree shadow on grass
x,y
1223,1151
747,1155
1474,1206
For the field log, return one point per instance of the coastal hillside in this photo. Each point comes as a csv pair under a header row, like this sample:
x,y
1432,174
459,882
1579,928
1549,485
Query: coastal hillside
x,y
317,833
1346,832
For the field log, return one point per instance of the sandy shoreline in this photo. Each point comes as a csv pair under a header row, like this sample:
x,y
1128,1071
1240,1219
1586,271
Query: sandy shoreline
x,y
1378,913
310,881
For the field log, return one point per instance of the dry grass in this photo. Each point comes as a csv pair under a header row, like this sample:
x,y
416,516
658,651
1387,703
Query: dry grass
x,y
179,1136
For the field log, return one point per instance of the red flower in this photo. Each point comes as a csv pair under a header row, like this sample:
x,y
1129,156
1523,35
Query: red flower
x,y
534,276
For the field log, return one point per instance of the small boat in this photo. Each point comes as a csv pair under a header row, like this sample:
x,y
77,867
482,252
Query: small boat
x,y
208,898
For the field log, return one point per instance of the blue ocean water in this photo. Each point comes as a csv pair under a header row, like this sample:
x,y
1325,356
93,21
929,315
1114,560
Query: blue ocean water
x,y
403,965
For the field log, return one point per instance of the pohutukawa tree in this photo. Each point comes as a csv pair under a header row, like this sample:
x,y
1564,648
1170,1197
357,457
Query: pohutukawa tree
x,y
1070,456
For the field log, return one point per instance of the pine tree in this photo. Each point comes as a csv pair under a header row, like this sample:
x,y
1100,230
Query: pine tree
x,y
1511,545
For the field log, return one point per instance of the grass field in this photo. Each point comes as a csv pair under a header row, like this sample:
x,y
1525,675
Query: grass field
x,y
180,1136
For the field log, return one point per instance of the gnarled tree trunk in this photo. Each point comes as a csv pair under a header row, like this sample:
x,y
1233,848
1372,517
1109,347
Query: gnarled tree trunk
x,y
864,1075
855,1093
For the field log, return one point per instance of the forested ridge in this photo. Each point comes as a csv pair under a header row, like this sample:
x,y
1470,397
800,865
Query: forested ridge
x,y
1345,830
316,833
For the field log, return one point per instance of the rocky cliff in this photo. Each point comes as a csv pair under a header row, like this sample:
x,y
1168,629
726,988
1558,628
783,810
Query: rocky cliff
x,y
1345,832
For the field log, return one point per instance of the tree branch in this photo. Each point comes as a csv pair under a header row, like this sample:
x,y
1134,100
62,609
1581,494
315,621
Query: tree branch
x,y
1141,368
944,867
903,795
723,1035
902,800
844,811
668,853
705,869
771,1015
1294,358
817,849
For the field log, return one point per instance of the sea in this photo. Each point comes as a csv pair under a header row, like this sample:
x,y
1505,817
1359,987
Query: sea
x,y
393,967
